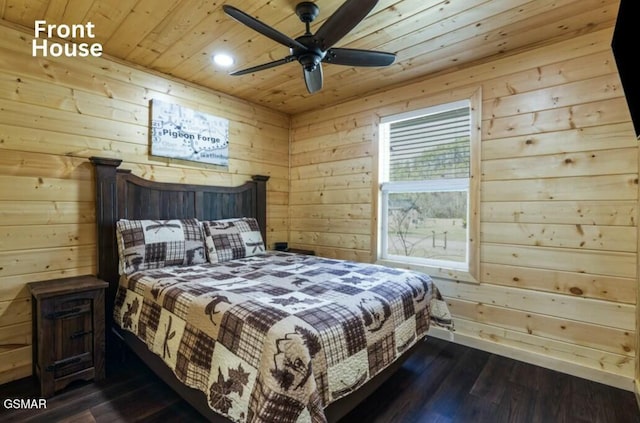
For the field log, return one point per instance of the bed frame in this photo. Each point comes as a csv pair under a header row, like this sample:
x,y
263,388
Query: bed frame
x,y
122,195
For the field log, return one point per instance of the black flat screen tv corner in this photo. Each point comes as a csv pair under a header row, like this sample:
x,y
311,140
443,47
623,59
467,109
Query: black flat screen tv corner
x,y
627,55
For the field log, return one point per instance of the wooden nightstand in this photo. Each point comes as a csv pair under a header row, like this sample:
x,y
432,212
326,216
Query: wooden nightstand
x,y
68,331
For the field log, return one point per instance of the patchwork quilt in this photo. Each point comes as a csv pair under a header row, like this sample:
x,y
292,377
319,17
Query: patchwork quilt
x,y
278,336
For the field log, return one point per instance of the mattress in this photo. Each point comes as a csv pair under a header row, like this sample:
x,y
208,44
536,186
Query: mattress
x,y
278,336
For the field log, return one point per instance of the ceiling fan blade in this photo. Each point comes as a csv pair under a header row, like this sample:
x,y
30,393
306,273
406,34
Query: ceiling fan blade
x,y
342,21
263,66
356,57
313,79
260,27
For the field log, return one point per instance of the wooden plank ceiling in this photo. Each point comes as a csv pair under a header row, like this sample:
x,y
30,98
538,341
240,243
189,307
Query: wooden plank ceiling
x,y
178,37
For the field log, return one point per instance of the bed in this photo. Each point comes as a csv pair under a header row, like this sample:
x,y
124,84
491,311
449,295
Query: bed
x,y
241,332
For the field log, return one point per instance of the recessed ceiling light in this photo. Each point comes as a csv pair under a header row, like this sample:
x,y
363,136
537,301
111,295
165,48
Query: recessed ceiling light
x,y
223,59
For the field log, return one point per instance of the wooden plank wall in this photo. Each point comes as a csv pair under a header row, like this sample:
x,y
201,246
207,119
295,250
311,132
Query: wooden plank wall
x,y
54,115
559,196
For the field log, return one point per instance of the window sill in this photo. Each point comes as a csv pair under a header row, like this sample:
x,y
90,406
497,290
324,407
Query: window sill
x,y
433,271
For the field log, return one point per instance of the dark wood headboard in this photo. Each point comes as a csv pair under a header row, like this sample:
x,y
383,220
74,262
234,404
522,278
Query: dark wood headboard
x,y
122,195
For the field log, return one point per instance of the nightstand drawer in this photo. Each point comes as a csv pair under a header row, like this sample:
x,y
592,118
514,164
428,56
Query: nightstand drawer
x,y
69,308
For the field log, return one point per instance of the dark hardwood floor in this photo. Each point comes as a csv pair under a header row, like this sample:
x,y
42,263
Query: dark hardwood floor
x,y
441,383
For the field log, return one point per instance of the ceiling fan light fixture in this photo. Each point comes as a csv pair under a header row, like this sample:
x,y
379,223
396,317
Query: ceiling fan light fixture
x,y
309,61
223,60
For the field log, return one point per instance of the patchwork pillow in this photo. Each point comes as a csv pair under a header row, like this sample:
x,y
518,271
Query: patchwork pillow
x,y
152,244
230,239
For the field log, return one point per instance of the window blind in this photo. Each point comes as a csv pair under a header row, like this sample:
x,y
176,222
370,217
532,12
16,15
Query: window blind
x,y
430,147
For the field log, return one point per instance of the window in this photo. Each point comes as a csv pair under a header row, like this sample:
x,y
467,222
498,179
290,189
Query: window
x,y
428,197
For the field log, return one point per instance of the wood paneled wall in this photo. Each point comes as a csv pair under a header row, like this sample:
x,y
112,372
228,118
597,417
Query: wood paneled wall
x,y
56,113
559,196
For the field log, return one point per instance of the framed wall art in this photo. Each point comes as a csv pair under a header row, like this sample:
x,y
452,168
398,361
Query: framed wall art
x,y
181,133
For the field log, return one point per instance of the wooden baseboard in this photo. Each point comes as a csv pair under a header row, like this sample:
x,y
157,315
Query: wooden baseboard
x,y
553,363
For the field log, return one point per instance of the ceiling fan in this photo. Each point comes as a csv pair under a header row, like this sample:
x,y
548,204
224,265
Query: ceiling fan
x,y
313,49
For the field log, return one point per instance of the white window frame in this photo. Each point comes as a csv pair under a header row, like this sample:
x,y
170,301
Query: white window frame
x,y
466,271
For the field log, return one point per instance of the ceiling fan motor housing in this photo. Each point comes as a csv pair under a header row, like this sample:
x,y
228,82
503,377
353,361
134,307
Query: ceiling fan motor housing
x,y
311,56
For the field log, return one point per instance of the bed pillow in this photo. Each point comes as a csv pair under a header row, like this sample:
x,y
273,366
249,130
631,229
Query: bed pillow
x,y
230,239
152,244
